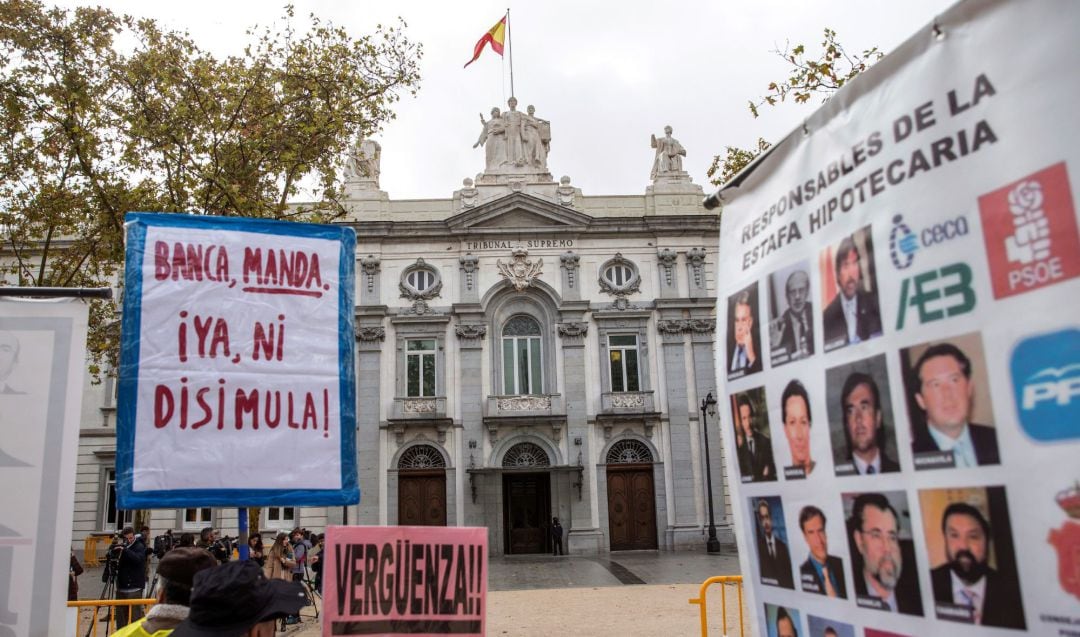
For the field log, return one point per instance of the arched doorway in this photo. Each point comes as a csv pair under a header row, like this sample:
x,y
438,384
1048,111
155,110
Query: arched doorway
x,y
422,487
526,499
631,496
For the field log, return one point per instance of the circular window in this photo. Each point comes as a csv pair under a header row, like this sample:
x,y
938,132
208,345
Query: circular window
x,y
619,276
420,281
421,457
526,454
628,451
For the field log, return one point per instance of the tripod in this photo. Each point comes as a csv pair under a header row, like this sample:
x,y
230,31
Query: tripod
x,y
112,566
311,591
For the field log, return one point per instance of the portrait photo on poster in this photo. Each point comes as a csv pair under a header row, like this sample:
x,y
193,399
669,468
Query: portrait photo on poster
x,y
823,627
948,403
791,314
849,291
861,426
743,333
971,556
753,442
822,572
883,567
796,418
782,621
770,531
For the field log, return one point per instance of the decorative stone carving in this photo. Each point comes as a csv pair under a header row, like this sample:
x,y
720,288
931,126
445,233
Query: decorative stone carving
x,y
362,165
515,142
565,192
573,329
522,271
469,264
569,262
619,276
469,194
524,403
669,154
418,405
370,333
667,259
627,401
421,308
696,260
702,326
471,331
370,266
671,327
410,291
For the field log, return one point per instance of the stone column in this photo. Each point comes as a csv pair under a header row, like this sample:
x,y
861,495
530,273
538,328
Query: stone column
x,y
369,280
666,260
571,279
695,269
370,335
470,394
470,278
685,530
582,537
702,331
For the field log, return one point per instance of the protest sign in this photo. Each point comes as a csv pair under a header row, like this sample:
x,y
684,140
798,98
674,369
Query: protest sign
x,y
237,383
903,452
405,580
42,365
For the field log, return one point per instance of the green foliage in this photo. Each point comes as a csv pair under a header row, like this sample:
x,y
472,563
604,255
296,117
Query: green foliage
x,y
823,76
102,113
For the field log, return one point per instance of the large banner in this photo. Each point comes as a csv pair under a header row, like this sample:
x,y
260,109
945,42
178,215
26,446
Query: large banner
x,y
405,580
237,381
901,308
42,366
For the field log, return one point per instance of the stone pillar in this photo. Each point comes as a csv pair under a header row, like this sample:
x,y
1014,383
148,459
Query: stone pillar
x,y
470,278
695,270
666,261
470,392
702,331
582,536
571,279
685,530
369,280
370,335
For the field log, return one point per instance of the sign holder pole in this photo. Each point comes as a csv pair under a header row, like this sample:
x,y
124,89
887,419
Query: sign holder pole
x,y
242,525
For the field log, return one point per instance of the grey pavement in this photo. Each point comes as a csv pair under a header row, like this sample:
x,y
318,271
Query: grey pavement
x,y
508,573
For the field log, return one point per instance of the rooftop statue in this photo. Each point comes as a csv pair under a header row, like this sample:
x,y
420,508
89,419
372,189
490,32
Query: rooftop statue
x,y
363,161
515,142
669,154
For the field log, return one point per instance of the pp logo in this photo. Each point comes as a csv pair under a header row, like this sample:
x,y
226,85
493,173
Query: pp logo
x,y
1030,232
1046,383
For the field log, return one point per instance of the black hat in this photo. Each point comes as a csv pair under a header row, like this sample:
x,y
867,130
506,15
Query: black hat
x,y
228,600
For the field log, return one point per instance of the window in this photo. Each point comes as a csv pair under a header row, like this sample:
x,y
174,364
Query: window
x,y
421,279
197,518
618,275
623,352
280,517
421,457
420,367
521,357
628,451
526,454
112,518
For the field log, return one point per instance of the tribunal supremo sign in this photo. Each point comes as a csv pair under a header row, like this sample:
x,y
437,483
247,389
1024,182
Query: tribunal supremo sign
x,y
405,580
236,361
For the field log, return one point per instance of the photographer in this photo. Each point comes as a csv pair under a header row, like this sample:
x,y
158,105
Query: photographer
x,y
176,575
163,544
209,541
129,556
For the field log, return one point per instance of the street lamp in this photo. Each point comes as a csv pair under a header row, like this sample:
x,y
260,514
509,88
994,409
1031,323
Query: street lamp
x,y
708,408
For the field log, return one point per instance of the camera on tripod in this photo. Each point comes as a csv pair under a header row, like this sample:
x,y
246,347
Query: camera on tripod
x,y
112,558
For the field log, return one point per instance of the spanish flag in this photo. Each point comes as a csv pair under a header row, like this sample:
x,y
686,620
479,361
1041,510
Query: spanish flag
x,y
496,35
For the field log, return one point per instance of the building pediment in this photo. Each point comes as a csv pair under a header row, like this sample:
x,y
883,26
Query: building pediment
x,y
519,211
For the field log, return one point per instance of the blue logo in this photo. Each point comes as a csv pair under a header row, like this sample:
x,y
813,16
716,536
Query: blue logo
x,y
904,243
1046,384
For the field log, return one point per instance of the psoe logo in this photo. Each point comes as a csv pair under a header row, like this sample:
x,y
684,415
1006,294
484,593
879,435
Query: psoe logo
x,y
904,243
1046,384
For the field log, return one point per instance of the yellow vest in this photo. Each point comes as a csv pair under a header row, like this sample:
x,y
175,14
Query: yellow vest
x,y
136,630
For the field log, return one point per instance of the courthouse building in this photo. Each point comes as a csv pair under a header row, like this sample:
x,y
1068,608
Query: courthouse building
x,y
524,351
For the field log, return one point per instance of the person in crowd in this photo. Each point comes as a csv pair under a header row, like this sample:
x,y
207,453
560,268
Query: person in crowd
x,y
853,314
176,574
208,540
187,540
864,425
237,600
74,571
556,537
279,559
944,391
130,574
875,529
317,553
255,550
820,573
773,555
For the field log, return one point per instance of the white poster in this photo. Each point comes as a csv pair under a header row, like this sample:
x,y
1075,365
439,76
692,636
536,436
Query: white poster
x,y
42,365
237,382
901,312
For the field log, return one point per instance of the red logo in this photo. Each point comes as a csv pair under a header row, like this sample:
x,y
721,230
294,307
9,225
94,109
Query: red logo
x,y
1030,232
1067,542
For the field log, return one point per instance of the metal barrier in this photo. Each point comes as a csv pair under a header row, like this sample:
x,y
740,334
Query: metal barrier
x,y
724,581
90,549
97,605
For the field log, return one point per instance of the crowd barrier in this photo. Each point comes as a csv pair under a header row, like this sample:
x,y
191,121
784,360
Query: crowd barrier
x,y
735,581
97,605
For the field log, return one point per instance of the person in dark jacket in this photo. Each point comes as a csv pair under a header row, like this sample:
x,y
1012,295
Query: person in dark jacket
x,y
74,571
556,537
130,575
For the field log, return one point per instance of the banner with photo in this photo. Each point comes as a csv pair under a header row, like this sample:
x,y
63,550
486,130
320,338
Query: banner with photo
x,y
237,379
42,366
901,307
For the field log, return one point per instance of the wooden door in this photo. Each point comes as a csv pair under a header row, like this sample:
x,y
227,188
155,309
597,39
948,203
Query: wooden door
x,y
526,506
422,498
631,507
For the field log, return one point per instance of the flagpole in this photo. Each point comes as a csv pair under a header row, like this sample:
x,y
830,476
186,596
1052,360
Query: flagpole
x,y
511,47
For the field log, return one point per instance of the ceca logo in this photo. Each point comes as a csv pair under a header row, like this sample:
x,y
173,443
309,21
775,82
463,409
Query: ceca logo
x,y
1046,384
904,243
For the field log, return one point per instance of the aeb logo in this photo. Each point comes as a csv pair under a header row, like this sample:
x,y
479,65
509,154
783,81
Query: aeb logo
x,y
1046,384
904,243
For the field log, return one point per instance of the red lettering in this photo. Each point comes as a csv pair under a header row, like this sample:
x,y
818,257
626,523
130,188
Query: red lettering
x,y
253,264
161,260
248,403
163,406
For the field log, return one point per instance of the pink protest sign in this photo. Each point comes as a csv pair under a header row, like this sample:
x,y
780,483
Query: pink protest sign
x,y
405,580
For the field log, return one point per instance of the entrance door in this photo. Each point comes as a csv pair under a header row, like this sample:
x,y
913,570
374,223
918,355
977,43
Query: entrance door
x,y
422,498
526,503
631,507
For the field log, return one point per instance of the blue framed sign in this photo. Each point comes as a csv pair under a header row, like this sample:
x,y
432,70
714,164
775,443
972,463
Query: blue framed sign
x,y
237,376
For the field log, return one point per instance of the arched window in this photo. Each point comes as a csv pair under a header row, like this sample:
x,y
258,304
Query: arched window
x,y
526,454
522,368
421,457
628,451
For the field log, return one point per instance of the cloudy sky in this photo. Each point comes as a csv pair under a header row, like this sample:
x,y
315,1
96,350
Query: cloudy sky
x,y
606,74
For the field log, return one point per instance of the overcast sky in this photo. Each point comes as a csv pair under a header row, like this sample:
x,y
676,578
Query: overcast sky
x,y
606,74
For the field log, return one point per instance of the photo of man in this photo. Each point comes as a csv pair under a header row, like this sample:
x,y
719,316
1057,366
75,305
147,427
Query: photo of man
x,y
795,412
852,314
791,315
860,418
824,627
821,573
774,559
973,569
941,382
883,554
782,622
744,354
753,446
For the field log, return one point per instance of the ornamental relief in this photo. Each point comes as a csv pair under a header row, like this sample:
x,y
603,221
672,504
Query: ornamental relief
x,y
521,271
370,333
625,401
573,329
524,403
418,405
471,331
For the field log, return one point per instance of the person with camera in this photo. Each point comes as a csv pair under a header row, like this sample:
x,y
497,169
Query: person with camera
x,y
176,575
128,554
217,547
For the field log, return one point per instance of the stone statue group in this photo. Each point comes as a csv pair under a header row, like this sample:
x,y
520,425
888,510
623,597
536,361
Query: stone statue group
x,y
513,140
